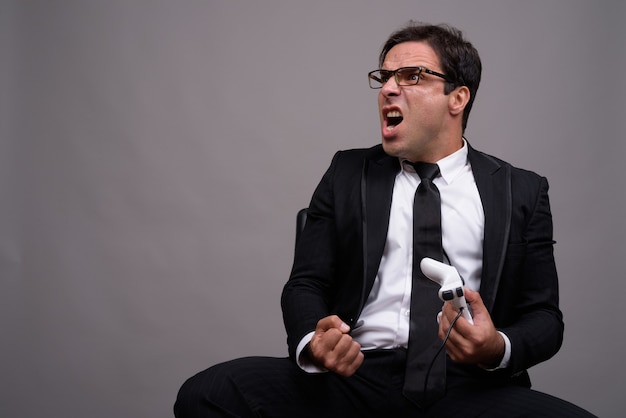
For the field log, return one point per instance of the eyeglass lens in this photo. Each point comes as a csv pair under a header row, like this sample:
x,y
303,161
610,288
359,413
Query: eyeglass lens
x,y
407,76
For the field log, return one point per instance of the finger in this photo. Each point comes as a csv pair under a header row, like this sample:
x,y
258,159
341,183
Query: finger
x,y
346,345
453,352
327,340
354,364
458,347
349,359
347,349
341,356
448,313
452,334
444,322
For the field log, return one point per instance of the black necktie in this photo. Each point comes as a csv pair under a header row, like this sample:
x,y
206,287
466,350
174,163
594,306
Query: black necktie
x,y
421,386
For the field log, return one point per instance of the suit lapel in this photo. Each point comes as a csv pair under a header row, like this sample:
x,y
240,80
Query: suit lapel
x,y
493,180
377,180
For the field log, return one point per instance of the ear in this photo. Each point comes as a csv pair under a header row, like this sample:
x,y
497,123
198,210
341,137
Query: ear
x,y
458,99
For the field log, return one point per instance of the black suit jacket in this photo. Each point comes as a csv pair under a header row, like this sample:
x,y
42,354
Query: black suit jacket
x,y
339,251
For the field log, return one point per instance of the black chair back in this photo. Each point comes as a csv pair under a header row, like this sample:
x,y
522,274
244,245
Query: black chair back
x,y
300,222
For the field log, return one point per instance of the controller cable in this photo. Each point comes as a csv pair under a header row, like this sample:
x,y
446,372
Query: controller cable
x,y
443,344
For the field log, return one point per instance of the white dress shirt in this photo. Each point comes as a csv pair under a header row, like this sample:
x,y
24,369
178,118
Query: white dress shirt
x,y
384,321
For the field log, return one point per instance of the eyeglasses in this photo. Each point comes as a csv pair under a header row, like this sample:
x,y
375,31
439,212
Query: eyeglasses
x,y
405,76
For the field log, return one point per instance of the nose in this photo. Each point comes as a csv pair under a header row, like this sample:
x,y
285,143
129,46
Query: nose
x,y
390,88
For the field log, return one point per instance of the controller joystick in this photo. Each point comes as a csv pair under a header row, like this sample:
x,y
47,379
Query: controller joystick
x,y
451,284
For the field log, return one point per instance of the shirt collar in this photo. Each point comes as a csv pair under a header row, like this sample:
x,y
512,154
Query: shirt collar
x,y
451,165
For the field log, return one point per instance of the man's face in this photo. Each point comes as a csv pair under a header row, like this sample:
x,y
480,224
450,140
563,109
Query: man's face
x,y
415,120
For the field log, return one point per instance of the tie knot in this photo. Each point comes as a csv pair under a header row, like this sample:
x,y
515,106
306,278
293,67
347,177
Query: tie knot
x,y
426,170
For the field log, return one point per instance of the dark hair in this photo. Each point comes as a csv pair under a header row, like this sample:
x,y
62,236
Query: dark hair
x,y
458,58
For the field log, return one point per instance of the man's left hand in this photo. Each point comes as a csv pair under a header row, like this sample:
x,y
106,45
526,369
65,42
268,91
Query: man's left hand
x,y
472,344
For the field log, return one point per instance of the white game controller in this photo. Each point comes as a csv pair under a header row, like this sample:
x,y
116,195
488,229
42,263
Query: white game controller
x,y
451,284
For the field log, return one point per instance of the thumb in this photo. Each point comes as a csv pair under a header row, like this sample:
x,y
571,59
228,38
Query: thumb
x,y
475,301
332,321
472,296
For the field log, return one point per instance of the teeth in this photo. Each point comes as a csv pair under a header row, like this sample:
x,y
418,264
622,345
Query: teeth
x,y
394,117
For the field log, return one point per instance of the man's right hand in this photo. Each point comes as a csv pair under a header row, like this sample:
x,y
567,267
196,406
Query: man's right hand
x,y
332,348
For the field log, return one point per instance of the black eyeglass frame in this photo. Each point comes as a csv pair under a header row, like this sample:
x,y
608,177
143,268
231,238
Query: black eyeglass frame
x,y
371,76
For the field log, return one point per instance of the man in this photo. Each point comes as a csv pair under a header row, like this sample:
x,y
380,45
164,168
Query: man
x,y
347,306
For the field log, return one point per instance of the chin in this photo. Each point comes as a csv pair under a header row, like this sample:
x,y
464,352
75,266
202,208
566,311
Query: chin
x,y
392,149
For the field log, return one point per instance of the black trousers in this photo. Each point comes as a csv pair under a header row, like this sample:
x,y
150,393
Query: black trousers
x,y
276,387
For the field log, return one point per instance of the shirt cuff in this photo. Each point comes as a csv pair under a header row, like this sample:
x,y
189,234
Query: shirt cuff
x,y
506,358
302,359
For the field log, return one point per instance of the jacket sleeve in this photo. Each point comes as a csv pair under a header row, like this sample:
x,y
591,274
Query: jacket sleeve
x,y
527,303
305,296
326,277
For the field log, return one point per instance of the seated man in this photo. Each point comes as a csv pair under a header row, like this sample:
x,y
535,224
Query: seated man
x,y
364,334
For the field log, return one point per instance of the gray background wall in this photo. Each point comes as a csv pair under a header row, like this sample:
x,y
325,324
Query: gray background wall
x,y
153,155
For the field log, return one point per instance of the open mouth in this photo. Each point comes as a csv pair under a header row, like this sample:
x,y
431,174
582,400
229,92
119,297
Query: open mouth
x,y
394,118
